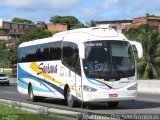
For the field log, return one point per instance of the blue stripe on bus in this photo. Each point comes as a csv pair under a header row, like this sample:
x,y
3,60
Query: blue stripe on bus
x,y
23,74
60,90
43,83
22,84
40,89
97,82
22,81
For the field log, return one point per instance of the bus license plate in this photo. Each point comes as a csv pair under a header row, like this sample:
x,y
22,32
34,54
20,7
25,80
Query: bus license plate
x,y
113,95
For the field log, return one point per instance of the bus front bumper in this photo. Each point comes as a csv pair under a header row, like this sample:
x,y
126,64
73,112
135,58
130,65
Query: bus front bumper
x,y
109,96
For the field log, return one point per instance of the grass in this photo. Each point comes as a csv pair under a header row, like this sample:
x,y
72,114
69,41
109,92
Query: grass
x,y
8,113
8,73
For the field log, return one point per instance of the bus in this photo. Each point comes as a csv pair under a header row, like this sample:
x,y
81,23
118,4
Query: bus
x,y
83,65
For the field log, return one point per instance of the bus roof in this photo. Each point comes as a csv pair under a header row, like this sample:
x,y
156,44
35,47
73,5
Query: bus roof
x,y
93,33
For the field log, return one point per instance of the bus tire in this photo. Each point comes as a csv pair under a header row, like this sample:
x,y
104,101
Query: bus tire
x,y
113,104
31,95
69,99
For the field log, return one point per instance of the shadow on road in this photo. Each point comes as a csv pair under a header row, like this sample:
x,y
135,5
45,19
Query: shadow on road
x,y
125,105
103,106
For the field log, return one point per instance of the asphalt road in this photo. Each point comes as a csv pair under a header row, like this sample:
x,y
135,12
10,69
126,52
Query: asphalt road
x,y
145,103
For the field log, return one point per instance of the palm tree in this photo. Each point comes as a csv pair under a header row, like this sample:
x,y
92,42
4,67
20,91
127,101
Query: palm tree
x,y
149,66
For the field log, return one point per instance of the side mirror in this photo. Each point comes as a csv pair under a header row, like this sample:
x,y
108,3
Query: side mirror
x,y
81,50
138,47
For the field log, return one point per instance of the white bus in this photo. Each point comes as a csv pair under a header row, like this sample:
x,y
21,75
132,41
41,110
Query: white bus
x,y
87,65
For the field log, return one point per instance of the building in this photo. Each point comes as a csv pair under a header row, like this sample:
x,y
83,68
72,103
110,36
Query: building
x,y
57,27
116,24
41,25
15,29
150,20
10,31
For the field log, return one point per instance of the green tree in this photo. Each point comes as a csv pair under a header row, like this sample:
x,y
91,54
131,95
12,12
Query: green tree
x,y
149,66
56,19
20,20
3,33
28,36
79,25
34,34
12,56
71,21
54,32
92,23
3,55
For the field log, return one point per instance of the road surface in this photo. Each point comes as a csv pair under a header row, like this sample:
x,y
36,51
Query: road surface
x,y
144,104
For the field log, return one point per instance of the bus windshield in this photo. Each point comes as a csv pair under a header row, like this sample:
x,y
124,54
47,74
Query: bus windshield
x,y
108,60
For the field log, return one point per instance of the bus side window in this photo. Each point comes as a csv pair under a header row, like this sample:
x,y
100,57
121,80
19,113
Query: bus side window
x,y
40,52
71,56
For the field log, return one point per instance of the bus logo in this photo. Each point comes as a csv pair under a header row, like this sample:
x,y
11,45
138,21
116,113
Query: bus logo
x,y
47,68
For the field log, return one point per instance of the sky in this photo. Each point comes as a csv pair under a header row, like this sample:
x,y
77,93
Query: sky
x,y
83,10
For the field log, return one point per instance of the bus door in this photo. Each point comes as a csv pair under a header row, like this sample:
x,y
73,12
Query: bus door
x,y
79,69
78,80
72,62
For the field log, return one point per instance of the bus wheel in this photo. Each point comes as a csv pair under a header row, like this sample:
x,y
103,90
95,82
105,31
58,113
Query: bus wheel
x,y
31,95
70,100
113,104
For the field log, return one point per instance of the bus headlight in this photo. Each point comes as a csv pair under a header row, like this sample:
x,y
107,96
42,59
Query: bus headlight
x,y
89,89
133,87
